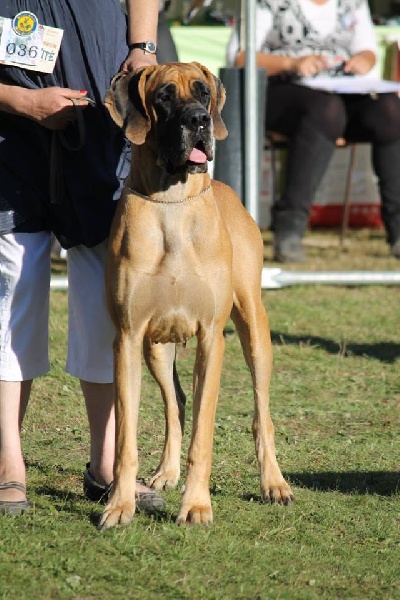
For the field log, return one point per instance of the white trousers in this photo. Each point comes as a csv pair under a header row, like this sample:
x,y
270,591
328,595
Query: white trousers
x,y
24,310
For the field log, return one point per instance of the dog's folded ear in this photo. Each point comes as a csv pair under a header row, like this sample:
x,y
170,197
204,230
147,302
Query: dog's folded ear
x,y
218,97
125,101
220,131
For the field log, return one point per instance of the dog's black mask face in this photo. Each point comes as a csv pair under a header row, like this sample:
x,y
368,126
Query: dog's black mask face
x,y
174,108
184,128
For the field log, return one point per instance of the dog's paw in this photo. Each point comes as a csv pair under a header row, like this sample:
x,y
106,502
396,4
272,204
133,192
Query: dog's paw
x,y
165,479
277,494
121,514
196,515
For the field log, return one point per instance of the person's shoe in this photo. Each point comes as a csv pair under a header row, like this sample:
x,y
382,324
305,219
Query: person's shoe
x,y
95,491
288,248
148,501
14,507
395,249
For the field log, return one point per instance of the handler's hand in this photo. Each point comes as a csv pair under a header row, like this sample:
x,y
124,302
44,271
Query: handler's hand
x,y
137,58
52,107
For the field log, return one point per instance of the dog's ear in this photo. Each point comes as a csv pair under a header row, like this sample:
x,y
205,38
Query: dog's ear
x,y
125,100
218,96
220,130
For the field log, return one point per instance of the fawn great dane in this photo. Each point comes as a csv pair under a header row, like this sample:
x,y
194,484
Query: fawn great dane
x,y
184,255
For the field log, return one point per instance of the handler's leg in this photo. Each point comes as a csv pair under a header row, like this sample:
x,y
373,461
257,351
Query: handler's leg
x,y
14,397
99,400
24,302
90,359
90,339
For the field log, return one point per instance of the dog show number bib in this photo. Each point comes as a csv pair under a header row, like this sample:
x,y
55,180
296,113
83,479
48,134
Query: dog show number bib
x,y
26,43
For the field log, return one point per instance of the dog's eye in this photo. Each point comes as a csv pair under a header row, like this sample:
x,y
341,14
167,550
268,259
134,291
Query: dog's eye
x,y
163,100
202,93
205,97
163,97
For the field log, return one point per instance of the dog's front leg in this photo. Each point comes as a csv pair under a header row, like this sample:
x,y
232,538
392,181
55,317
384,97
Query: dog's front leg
x,y
160,359
196,501
127,367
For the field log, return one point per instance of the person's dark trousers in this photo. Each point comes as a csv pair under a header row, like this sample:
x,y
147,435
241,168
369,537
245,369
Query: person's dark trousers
x,y
386,164
308,157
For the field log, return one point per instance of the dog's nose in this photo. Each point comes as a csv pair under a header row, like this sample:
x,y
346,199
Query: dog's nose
x,y
196,118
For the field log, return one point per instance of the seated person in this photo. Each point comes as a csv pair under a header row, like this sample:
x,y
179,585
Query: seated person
x,y
312,38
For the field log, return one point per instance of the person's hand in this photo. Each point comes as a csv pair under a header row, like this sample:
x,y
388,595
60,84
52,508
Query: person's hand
x,y
137,58
52,107
308,66
359,64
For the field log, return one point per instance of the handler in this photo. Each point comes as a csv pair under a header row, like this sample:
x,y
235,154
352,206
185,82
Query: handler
x,y
61,158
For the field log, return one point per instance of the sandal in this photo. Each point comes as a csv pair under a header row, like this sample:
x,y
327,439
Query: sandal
x,y
13,507
148,501
95,491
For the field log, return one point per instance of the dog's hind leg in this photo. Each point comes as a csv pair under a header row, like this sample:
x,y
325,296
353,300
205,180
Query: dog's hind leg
x,y
251,322
160,360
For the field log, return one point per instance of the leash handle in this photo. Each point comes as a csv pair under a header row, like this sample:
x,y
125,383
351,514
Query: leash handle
x,y
73,147
58,139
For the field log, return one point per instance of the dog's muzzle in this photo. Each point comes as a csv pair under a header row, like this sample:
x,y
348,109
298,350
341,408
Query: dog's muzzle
x,y
189,146
196,119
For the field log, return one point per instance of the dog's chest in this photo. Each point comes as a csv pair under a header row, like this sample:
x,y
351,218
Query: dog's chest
x,y
178,299
177,308
177,274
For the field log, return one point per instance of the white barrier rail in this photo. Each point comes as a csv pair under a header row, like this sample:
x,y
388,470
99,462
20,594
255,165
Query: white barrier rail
x,y
59,283
275,278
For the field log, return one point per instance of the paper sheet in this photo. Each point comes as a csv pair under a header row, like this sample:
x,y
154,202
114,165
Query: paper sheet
x,y
352,85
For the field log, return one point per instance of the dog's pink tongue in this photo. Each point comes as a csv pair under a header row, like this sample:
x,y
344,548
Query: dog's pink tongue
x,y
197,156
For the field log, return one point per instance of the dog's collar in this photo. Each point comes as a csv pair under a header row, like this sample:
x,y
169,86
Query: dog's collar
x,y
161,201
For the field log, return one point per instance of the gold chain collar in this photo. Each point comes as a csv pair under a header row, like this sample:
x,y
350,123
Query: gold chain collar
x,y
160,201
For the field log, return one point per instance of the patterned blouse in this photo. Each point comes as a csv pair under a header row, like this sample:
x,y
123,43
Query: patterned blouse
x,y
336,29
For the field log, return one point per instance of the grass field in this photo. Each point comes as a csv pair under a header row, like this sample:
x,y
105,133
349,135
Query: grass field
x,y
335,399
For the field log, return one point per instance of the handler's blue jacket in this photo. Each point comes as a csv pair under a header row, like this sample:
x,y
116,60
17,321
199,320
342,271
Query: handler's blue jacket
x,y
92,50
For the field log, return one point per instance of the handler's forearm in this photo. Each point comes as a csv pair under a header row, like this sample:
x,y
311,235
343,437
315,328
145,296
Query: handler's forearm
x,y
274,64
142,20
13,99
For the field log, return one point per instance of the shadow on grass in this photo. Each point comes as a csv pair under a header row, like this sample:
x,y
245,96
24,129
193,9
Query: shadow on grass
x,y
70,502
159,517
386,352
383,483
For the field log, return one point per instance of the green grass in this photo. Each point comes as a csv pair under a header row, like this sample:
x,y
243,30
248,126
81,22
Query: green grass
x,y
335,404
